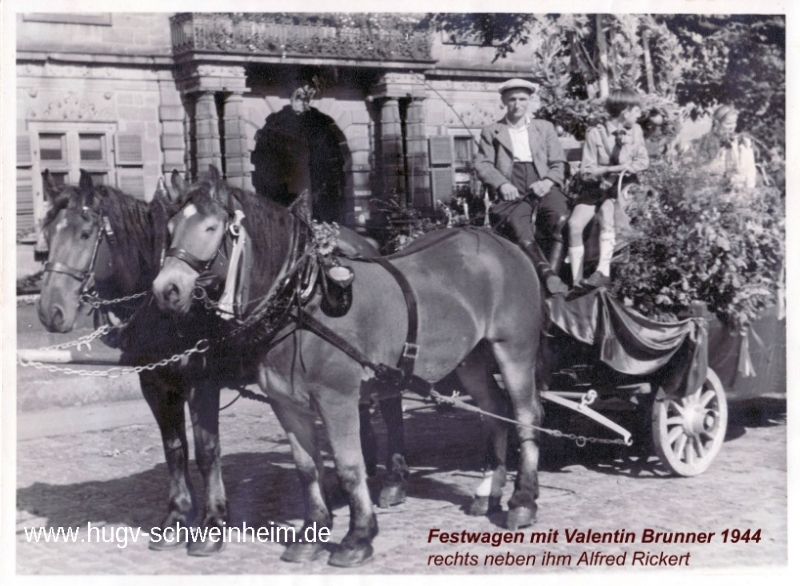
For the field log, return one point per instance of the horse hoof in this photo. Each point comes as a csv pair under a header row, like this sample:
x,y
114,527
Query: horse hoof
x,y
392,495
162,544
520,517
206,547
169,537
484,505
302,552
351,557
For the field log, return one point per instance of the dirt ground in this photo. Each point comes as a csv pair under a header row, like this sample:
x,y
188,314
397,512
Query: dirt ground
x,y
117,479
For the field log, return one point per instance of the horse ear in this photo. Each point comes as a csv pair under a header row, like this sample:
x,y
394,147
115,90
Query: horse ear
x,y
161,191
178,186
217,190
86,187
50,188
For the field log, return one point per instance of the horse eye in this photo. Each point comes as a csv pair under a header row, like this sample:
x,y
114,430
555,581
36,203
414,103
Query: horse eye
x,y
211,229
85,235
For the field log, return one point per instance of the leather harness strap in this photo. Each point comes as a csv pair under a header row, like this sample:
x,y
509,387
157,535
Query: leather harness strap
x,y
403,374
197,264
410,348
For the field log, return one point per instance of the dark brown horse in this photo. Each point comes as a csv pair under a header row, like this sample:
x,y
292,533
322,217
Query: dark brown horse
x,y
478,297
100,234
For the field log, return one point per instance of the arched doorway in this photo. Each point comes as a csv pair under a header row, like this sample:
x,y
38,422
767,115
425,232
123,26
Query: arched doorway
x,y
300,148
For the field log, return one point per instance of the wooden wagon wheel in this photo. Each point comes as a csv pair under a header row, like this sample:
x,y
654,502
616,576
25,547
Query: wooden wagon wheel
x,y
688,431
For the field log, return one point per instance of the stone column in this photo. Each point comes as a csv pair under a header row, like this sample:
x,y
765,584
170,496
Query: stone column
x,y
417,154
207,133
237,156
173,137
392,163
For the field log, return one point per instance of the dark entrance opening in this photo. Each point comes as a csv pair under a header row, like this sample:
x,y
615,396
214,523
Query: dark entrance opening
x,y
300,148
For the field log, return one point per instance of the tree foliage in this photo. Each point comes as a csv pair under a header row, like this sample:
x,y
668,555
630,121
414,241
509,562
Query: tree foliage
x,y
698,61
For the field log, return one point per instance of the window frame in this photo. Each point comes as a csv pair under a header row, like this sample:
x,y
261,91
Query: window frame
x,y
72,164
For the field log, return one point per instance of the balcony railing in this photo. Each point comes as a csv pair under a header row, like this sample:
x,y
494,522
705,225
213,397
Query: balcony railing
x,y
254,34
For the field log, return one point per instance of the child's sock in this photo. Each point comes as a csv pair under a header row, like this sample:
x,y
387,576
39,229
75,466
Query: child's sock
x,y
576,263
607,241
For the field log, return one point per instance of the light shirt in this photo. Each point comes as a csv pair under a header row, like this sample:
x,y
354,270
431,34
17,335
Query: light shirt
x,y
520,143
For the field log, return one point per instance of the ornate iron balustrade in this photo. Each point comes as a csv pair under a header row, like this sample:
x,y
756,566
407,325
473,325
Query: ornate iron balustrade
x,y
254,34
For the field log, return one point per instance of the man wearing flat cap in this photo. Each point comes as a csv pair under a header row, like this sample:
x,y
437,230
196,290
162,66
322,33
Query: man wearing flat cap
x,y
521,159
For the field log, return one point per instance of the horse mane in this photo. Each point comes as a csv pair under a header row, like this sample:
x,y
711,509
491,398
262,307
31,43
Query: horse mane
x,y
130,220
133,230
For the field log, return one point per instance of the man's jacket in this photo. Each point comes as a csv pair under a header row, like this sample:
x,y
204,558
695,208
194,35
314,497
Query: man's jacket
x,y
494,162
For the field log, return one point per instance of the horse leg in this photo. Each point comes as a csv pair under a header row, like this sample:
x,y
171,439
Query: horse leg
x,y
166,400
204,410
368,440
393,491
517,364
476,378
299,427
340,415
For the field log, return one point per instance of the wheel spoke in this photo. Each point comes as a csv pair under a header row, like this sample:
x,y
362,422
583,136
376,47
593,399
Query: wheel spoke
x,y
699,447
674,433
679,407
677,420
706,398
681,443
689,453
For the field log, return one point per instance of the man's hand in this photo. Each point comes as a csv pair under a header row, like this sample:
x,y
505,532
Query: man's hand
x,y
508,192
540,188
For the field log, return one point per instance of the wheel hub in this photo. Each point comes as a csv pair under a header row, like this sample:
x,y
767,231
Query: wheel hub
x,y
699,420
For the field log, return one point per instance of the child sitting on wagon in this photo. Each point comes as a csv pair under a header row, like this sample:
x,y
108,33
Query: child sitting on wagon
x,y
612,148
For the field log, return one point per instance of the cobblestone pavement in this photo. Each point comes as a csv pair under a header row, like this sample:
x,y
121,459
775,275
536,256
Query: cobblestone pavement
x,y
118,479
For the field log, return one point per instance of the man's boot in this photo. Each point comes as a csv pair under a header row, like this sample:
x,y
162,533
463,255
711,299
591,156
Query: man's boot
x,y
556,256
553,283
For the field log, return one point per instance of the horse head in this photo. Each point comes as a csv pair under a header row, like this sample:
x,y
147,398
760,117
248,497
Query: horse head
x,y
72,229
196,232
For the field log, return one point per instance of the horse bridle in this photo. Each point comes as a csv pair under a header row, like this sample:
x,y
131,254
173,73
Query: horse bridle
x,y
84,276
199,265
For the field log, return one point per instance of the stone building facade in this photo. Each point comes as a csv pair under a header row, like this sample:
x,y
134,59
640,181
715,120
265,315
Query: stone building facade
x,y
130,97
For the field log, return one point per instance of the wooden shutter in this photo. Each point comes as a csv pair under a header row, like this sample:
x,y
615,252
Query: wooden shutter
x,y
131,181
441,151
24,157
129,149
25,218
442,184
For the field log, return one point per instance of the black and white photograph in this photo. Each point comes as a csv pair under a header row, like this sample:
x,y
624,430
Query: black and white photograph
x,y
374,290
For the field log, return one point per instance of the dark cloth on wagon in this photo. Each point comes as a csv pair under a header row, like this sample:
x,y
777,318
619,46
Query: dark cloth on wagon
x,y
632,344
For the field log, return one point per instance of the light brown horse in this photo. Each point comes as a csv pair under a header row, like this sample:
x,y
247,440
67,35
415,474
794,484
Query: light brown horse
x,y
478,298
